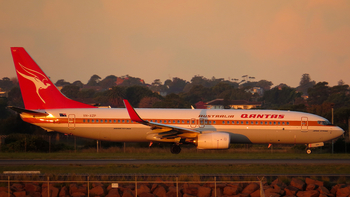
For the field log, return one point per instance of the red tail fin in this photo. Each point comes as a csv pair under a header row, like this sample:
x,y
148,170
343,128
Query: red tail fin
x,y
38,91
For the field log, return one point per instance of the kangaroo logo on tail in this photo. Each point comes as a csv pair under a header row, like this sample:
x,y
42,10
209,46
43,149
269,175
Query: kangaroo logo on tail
x,y
37,78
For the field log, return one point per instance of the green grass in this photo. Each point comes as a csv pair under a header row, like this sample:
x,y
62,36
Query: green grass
x,y
164,153
246,169
187,153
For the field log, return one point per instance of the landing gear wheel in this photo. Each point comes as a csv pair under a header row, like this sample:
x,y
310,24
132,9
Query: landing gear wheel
x,y
175,149
308,151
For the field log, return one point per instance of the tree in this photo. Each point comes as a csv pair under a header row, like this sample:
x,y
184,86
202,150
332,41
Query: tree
x,y
6,84
108,82
279,96
264,84
116,96
148,102
94,80
305,84
15,97
78,83
172,101
318,94
176,85
135,93
61,83
70,91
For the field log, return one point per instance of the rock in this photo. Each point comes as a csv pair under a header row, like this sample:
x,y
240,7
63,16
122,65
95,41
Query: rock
x,y
172,194
278,183
128,193
311,193
190,190
251,188
159,191
5,194
311,181
232,189
20,193
97,191
204,192
187,195
63,191
344,191
324,190
113,193
298,183
143,188
218,192
53,191
270,192
74,188
95,184
146,194
34,194
255,194
16,187
154,186
311,187
78,194
31,187
291,191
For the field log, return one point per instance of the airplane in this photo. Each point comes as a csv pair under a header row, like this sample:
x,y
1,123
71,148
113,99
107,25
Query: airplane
x,y
47,107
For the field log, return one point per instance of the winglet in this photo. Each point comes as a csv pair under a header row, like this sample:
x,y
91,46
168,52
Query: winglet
x,y
132,113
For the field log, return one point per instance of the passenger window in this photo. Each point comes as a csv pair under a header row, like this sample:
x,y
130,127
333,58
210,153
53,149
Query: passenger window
x,y
223,122
287,123
123,121
214,122
251,122
92,120
247,122
84,120
233,122
127,121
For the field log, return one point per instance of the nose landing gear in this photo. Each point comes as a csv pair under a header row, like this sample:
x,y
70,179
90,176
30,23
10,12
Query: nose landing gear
x,y
308,151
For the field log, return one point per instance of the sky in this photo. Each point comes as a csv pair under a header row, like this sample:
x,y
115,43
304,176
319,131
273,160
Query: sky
x,y
275,40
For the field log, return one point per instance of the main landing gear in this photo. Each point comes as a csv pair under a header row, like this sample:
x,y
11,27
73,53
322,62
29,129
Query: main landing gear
x,y
175,149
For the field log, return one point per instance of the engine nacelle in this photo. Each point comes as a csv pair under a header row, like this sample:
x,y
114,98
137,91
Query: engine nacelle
x,y
213,141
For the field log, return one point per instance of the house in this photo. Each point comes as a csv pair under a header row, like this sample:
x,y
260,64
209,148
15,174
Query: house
x,y
233,104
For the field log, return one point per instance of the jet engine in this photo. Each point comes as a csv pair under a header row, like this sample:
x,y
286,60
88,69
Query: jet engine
x,y
217,140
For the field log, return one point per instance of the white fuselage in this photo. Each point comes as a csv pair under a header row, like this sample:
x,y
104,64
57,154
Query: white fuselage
x,y
243,126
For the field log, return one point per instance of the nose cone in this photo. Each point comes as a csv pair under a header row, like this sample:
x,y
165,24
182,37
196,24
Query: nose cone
x,y
336,132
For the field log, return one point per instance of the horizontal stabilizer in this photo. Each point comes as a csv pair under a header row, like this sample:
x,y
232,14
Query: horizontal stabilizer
x,y
31,112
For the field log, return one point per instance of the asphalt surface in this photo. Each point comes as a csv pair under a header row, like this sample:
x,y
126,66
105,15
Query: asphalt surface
x,y
183,162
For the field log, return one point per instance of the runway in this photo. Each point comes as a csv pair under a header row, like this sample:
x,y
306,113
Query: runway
x,y
180,162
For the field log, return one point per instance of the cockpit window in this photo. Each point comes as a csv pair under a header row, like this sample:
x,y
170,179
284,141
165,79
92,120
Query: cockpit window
x,y
324,122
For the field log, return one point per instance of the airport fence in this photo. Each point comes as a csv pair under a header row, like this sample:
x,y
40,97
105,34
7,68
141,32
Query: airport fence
x,y
108,185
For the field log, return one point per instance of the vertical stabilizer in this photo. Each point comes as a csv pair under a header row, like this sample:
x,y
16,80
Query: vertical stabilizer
x,y
37,89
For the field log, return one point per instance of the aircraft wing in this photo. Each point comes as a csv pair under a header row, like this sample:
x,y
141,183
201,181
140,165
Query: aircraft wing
x,y
161,132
